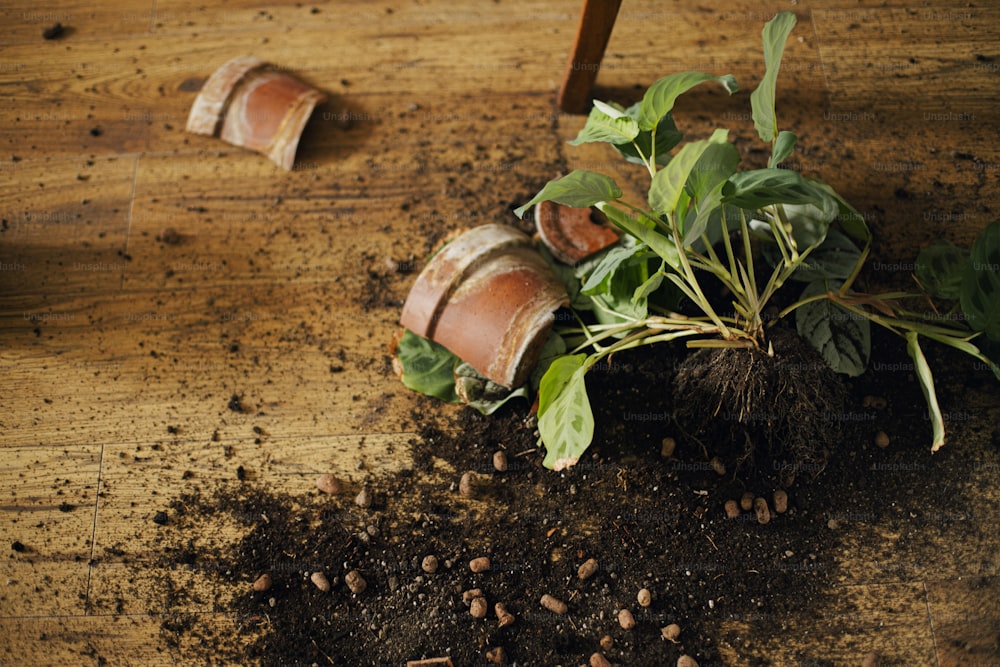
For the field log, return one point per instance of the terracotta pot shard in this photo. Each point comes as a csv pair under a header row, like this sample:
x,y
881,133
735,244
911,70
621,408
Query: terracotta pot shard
x,y
570,233
248,104
490,298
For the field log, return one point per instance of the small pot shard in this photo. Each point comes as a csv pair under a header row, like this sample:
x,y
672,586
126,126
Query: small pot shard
x,y
247,104
569,233
490,298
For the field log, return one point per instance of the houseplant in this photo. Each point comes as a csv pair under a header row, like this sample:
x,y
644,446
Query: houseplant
x,y
707,221
761,236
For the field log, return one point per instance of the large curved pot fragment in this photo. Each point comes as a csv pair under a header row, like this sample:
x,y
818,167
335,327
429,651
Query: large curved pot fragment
x,y
248,104
490,298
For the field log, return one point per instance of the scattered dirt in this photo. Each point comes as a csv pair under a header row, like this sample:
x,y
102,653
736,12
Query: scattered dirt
x,y
648,522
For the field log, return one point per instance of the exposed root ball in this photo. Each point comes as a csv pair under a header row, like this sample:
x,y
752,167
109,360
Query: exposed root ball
x,y
763,415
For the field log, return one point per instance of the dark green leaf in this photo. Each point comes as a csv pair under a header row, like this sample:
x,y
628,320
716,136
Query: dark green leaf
x,y
834,259
565,419
852,222
660,97
428,367
940,268
775,34
554,348
579,188
783,147
980,295
601,126
713,168
761,187
843,338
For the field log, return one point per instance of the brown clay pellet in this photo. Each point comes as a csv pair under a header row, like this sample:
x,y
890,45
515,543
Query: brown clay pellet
x,y
763,513
607,641
780,501
882,439
871,659
363,499
671,632
262,583
718,466
328,484
471,594
644,597
746,501
598,660
320,581
429,564
481,564
497,655
503,616
355,582
500,460
554,605
732,509
467,485
686,661
667,447
626,619
478,607
587,569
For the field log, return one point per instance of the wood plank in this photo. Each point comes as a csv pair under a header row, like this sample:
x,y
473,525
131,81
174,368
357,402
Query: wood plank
x,y
25,21
941,81
63,225
966,615
163,366
110,640
47,518
842,626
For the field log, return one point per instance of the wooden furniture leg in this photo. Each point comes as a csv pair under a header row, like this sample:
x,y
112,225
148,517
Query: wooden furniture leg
x,y
596,21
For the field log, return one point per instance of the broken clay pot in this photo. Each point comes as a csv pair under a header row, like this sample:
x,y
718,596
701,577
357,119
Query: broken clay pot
x,y
570,233
248,104
490,298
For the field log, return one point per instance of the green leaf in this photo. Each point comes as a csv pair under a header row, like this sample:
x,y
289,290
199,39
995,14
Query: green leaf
x,y
714,167
843,338
980,295
553,348
709,209
602,126
783,147
834,259
667,136
940,268
927,385
481,393
668,184
852,222
579,188
565,419
762,187
775,34
612,109
428,367
599,278
660,97
643,228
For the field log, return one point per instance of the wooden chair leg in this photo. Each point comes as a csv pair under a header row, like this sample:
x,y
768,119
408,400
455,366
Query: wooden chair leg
x,y
596,22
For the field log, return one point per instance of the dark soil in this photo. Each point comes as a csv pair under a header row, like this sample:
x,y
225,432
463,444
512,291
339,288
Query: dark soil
x,y
650,523
768,418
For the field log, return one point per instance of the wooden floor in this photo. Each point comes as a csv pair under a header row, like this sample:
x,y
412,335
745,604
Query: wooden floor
x,y
120,354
